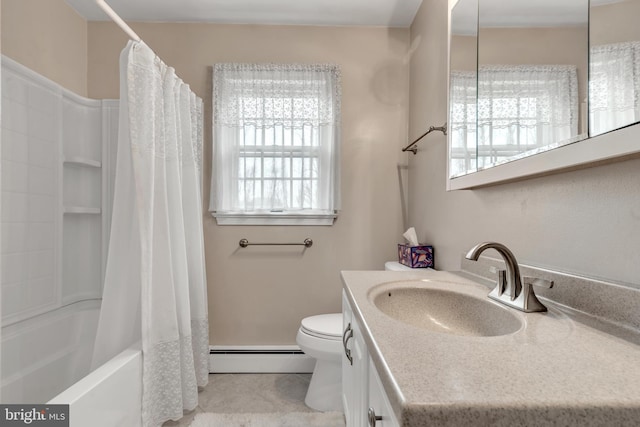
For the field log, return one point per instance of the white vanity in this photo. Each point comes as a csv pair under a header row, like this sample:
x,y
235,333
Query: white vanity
x,y
363,394
409,366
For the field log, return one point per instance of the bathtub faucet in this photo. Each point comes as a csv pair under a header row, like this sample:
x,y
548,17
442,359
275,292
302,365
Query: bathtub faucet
x,y
511,289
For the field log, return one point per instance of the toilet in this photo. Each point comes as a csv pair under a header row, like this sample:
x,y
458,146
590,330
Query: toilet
x,y
396,266
321,338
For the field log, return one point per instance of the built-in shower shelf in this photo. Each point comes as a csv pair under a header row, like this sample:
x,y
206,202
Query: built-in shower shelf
x,y
82,210
81,161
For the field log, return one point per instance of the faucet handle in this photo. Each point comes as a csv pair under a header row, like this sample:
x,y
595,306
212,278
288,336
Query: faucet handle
x,y
531,302
534,281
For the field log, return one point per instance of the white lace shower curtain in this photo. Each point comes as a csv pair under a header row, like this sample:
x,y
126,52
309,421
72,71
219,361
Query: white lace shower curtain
x,y
614,86
155,285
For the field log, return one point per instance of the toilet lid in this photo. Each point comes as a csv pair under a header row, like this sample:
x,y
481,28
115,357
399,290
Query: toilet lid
x,y
324,325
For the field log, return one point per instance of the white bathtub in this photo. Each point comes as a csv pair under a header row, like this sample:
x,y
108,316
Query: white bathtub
x,y
110,396
47,359
45,354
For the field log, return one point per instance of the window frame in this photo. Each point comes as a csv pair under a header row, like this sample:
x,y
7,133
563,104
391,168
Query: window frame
x,y
303,216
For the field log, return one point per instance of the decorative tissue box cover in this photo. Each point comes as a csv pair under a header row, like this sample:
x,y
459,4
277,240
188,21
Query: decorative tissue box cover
x,y
415,256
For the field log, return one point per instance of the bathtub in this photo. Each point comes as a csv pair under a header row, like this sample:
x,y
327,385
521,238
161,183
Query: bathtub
x,y
110,396
47,359
45,354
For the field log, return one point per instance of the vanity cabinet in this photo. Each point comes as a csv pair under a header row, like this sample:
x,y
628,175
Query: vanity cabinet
x,y
355,360
379,408
362,391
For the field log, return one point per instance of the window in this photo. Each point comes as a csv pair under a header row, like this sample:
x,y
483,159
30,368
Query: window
x,y
614,86
462,122
519,110
276,144
524,109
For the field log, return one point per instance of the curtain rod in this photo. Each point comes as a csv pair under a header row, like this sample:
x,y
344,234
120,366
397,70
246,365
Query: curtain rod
x,y
116,18
413,149
123,25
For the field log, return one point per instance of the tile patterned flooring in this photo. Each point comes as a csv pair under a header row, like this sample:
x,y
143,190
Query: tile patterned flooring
x,y
231,393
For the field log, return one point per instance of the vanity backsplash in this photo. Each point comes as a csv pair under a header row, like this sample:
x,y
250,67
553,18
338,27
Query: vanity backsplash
x,y
616,304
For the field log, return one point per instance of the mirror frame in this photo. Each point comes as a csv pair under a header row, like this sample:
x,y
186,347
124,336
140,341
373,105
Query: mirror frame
x,y
616,145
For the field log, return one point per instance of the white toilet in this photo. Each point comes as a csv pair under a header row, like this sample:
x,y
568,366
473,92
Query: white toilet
x,y
321,338
396,266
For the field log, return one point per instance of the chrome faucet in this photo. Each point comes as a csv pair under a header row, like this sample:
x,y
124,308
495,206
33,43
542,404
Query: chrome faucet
x,y
511,289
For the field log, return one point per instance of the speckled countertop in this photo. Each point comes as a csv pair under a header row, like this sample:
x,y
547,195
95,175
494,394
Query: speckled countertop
x,y
556,370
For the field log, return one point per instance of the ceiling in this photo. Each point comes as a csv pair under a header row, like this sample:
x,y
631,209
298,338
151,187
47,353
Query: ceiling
x,y
519,13
386,13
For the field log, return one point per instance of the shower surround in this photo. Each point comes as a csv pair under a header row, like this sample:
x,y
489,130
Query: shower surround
x,y
58,149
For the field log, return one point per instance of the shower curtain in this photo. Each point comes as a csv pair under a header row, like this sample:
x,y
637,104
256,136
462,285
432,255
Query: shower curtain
x,y
155,286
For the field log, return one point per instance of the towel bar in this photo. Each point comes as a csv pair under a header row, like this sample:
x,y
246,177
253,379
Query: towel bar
x,y
307,243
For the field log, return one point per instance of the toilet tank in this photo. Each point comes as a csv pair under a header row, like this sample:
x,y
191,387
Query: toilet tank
x,y
396,266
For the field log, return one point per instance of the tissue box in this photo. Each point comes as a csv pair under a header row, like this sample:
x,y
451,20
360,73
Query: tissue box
x,y
415,256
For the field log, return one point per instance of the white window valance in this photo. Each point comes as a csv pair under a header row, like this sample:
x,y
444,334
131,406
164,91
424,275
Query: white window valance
x,y
276,131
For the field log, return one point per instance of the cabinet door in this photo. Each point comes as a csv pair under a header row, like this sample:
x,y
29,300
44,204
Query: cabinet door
x,y
348,373
379,406
354,370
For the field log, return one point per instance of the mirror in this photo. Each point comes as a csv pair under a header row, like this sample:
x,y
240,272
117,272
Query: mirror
x,y
463,57
614,82
534,76
531,78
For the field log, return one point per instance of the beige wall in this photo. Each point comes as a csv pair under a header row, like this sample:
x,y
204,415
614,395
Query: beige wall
x,y
554,45
514,46
539,46
259,295
527,46
49,37
615,22
464,53
585,221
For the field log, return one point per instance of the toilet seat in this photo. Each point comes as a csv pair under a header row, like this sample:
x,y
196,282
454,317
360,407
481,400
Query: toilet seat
x,y
324,326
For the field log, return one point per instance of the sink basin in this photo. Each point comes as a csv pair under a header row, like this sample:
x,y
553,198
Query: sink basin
x,y
446,311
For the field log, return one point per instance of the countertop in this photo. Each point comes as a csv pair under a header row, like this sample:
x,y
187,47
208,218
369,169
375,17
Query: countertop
x,y
556,370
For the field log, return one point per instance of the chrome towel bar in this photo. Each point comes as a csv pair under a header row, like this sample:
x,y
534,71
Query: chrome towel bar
x,y
411,147
307,243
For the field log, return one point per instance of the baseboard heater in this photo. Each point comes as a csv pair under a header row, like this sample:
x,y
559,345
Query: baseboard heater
x,y
259,359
